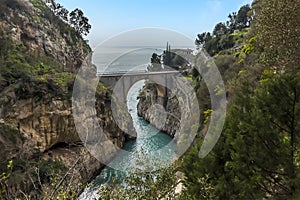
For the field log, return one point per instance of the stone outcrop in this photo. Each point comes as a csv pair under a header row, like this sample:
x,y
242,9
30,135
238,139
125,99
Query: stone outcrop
x,y
177,115
167,119
45,124
37,28
47,128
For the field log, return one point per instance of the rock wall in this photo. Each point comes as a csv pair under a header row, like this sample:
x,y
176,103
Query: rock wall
x,y
46,128
32,23
46,124
167,119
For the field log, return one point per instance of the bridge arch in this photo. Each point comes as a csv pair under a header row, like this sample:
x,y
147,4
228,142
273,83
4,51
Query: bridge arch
x,y
122,82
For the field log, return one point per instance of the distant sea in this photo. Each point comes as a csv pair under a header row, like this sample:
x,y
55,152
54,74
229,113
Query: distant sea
x,y
123,59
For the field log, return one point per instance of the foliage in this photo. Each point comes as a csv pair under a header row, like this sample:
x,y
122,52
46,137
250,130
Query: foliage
x,y
39,4
59,10
40,174
140,184
168,59
75,18
32,74
4,176
155,63
220,29
243,19
151,185
63,79
223,36
27,73
207,115
203,38
79,22
278,33
10,4
257,155
194,170
249,47
259,125
10,133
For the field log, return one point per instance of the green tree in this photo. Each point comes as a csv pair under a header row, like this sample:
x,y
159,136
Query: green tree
x,y
150,185
155,63
267,129
231,24
258,153
220,29
79,22
242,18
159,182
62,12
167,55
58,10
202,39
4,177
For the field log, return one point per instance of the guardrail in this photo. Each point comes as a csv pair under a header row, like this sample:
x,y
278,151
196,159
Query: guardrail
x,y
132,73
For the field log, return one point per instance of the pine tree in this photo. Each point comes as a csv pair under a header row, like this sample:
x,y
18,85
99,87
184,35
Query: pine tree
x,y
79,22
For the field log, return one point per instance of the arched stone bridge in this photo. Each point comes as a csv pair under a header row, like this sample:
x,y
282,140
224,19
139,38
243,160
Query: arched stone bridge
x,y
121,82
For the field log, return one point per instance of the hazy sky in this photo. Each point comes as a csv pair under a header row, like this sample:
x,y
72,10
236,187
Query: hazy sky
x,y
189,17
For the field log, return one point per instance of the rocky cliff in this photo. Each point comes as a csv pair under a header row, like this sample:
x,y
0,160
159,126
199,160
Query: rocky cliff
x,y
150,107
39,58
176,115
33,24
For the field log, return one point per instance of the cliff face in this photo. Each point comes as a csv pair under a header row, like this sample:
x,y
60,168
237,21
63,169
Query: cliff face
x,y
32,23
150,106
39,58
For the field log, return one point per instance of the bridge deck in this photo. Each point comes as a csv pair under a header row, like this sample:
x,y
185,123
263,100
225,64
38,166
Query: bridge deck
x,y
142,73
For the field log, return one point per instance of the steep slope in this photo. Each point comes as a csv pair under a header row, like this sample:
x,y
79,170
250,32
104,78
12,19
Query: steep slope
x,y
39,58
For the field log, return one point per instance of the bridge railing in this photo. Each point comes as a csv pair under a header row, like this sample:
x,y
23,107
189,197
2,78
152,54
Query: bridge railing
x,y
121,72
137,72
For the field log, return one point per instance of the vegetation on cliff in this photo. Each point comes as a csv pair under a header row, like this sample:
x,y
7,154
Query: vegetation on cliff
x,y
76,18
257,155
32,75
41,155
226,35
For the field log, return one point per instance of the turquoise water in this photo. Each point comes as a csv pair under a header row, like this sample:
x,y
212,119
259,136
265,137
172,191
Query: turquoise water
x,y
151,149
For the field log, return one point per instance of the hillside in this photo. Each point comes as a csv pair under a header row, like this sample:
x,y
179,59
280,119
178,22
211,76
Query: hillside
x,y
257,154
41,154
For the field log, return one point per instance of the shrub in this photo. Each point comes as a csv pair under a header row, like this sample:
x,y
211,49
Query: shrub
x,y
10,133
